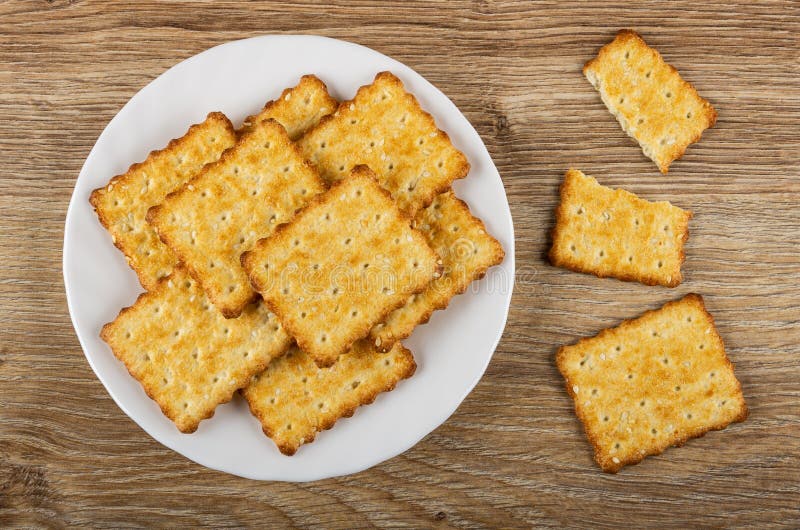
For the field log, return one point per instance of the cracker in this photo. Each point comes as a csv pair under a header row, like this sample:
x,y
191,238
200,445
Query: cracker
x,y
122,204
608,232
340,266
186,355
385,128
467,251
651,383
651,101
294,399
256,185
298,109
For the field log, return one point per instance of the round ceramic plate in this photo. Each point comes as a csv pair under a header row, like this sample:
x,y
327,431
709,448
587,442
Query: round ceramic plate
x,y
237,78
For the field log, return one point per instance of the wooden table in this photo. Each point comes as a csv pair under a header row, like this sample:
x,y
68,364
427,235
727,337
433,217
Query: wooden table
x,y
513,454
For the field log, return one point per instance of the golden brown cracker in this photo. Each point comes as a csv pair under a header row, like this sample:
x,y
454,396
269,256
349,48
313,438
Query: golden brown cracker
x,y
385,128
340,266
651,101
185,354
122,204
257,184
294,399
298,109
467,251
651,383
608,232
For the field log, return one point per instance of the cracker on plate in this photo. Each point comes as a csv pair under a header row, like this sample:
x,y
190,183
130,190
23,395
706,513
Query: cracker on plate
x,y
467,251
122,204
257,184
384,128
651,383
608,232
651,101
298,108
186,355
340,266
294,399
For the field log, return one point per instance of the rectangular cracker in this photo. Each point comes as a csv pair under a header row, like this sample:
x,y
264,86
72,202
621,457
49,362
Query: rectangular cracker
x,y
608,232
298,108
186,355
467,251
651,383
122,204
384,128
257,184
651,101
294,399
340,266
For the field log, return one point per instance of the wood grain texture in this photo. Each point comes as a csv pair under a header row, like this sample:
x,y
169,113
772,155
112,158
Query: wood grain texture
x,y
513,454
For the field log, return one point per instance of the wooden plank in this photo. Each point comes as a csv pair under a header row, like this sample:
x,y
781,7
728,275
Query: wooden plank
x,y
513,454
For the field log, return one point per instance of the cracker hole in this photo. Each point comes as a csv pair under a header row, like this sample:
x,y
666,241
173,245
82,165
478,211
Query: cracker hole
x,y
386,362
642,403
348,240
231,288
288,426
285,290
572,248
616,445
323,338
341,168
580,211
327,217
353,121
322,145
335,290
296,242
216,379
665,360
303,314
711,374
271,401
677,388
605,418
594,391
354,314
648,74
641,121
630,259
668,94
391,166
653,431
355,384
602,253
636,222
630,376
236,169
211,265
267,145
688,319
688,115
618,348
655,333
689,415
204,194
660,264
320,405
439,164
128,335
315,266
397,241
304,380
627,55
372,144
622,100
721,403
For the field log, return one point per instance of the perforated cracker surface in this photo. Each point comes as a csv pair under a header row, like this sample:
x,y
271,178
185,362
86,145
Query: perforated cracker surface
x,y
385,128
122,204
651,101
298,108
340,266
186,355
294,399
466,250
652,383
610,232
209,222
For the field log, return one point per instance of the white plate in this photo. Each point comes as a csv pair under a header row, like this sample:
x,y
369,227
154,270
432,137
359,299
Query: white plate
x,y
452,351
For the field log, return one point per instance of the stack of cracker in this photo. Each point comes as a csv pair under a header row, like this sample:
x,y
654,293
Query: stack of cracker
x,y
288,258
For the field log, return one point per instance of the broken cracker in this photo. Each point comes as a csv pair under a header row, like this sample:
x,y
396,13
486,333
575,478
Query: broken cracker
x,y
651,383
340,266
651,101
608,232
298,108
385,128
294,399
257,184
467,251
122,204
186,355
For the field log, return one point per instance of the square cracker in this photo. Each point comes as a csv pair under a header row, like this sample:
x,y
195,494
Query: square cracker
x,y
608,232
340,266
467,251
122,204
298,108
257,184
185,354
651,101
651,383
385,128
294,399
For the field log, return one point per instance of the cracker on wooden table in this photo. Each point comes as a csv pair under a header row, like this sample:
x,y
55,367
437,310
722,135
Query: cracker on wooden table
x,y
298,108
384,128
294,399
122,204
467,251
257,184
651,101
186,355
651,383
340,266
608,232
